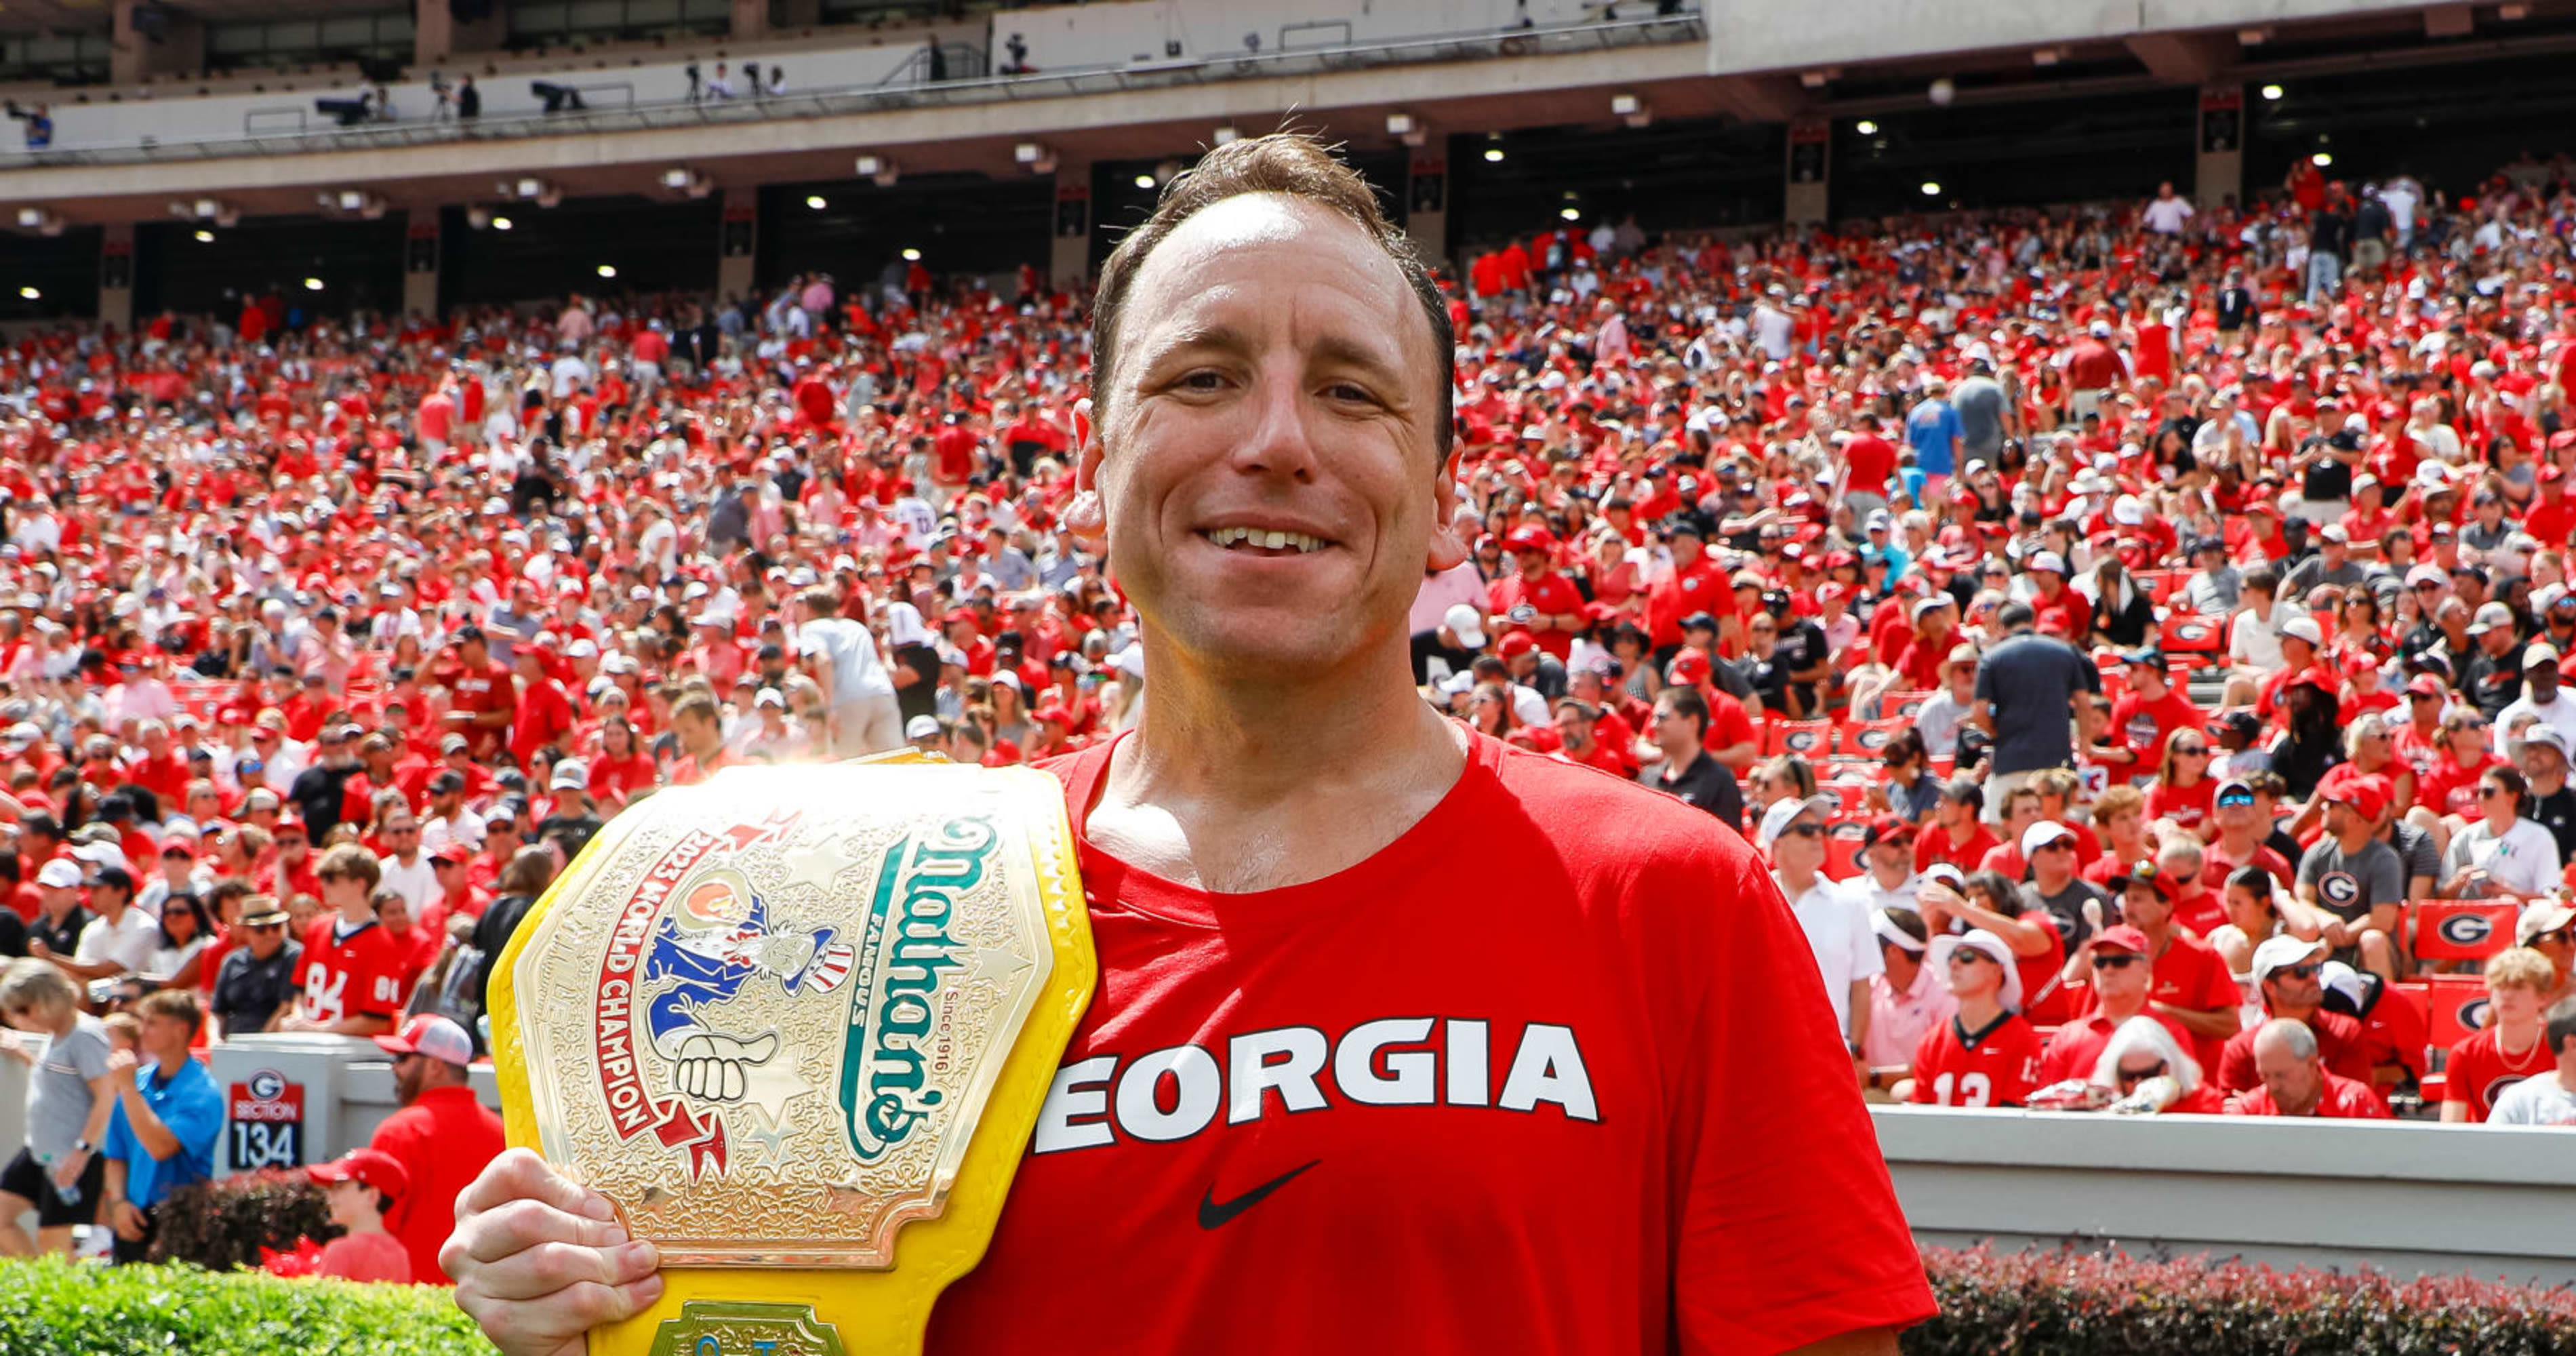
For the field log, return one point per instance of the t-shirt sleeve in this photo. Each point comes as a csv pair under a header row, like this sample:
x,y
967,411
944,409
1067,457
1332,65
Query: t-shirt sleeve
x,y
2312,864
2387,877
1757,1269
2461,1066
88,1053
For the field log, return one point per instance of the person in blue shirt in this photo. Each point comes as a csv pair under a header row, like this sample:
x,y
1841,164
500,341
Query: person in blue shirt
x,y
162,1134
1932,429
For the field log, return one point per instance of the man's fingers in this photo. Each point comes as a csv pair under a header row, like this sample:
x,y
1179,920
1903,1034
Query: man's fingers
x,y
549,1268
518,1174
547,1325
510,1229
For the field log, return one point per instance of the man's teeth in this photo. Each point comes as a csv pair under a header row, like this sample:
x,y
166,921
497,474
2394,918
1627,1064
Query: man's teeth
x,y
1276,541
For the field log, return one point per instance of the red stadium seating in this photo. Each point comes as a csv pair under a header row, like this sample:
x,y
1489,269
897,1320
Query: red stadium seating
x,y
1843,840
2460,929
1867,738
2457,1005
2191,633
1809,739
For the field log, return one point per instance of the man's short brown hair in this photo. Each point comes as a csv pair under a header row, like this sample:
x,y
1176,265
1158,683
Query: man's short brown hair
x,y
1294,165
178,1005
352,861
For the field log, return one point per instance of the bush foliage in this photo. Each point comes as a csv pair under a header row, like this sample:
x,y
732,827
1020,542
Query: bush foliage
x,y
223,1224
54,1307
2084,1304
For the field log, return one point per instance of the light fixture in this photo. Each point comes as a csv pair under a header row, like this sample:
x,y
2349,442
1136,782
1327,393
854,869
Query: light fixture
x,y
2272,93
1931,189
2253,37
207,207
1623,104
1044,164
31,293
478,217
531,188
1397,124
1167,171
911,256
2047,56
1865,127
205,237
31,217
1028,152
313,284
869,166
1144,181
1493,155
351,199
2321,159
607,270
816,201
1817,79
1570,213
500,223
2513,13
677,176
1224,136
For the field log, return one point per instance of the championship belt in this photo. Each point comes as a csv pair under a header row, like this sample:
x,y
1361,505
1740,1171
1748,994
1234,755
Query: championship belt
x,y
796,1023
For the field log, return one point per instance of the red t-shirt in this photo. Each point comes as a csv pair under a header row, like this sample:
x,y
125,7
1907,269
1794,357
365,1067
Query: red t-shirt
x,y
2338,1039
2190,975
477,693
365,1257
2149,724
1549,595
2343,1099
354,976
1996,1067
443,1140
1933,845
2479,1071
1376,1039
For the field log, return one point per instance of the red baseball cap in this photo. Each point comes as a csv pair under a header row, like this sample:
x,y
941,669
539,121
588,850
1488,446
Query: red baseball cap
x,y
2366,795
1515,645
290,820
429,1034
1689,668
2425,685
373,1167
2121,938
452,852
1529,537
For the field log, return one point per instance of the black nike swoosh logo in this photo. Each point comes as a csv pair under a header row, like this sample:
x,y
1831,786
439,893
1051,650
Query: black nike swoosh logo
x,y
1213,1215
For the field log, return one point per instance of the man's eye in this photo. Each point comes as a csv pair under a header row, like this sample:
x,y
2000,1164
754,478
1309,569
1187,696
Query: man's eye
x,y
1200,381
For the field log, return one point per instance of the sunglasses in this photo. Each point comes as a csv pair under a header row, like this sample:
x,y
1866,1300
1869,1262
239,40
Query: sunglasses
x,y
1968,955
2118,960
2304,970
2245,798
2563,936
2129,1077
1803,831
2190,751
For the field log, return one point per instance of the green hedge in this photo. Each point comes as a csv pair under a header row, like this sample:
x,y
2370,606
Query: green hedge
x,y
58,1309
1992,1304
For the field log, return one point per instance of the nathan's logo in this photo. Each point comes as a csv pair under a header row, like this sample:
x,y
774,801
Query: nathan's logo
x,y
907,953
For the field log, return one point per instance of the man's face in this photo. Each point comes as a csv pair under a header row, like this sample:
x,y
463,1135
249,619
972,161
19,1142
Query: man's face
x,y
395,914
1274,373
2293,1082
2543,765
2293,986
2140,904
2120,978
1574,730
2053,863
2020,815
2542,679
409,1072
166,1037
266,938
1801,845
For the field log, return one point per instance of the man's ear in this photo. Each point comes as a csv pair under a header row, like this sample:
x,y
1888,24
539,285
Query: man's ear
x,y
1083,515
1448,548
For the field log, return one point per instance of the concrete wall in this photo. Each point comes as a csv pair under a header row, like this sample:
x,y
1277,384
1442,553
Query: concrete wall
x,y
1748,36
1113,34
2409,1197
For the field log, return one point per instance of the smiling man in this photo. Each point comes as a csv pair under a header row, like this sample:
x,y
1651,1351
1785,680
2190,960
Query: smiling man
x,y
1405,1040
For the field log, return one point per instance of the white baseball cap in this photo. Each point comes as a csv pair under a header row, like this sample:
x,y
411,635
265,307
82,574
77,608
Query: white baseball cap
x,y
2278,952
1466,624
2042,834
1938,957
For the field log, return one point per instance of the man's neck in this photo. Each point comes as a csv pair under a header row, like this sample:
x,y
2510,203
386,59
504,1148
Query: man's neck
x,y
1795,881
1979,1011
1679,764
2046,887
356,915
2352,843
169,1064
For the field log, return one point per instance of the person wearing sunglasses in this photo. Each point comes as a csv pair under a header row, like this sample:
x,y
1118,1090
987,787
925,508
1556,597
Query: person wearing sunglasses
x,y
2355,876
2501,855
1837,924
1986,1054
2289,977
2122,967
2149,1073
2188,983
2548,926
256,980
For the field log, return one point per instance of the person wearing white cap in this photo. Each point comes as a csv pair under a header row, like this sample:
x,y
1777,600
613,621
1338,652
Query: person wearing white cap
x,y
2494,676
2547,800
1906,999
2542,695
2289,978
1837,924
59,916
1451,647
1986,1054
2332,564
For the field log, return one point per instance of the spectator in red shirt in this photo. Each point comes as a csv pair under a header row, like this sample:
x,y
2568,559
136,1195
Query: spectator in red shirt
x,y
482,696
1985,1054
2151,712
1958,833
2289,975
2121,982
2295,1080
544,716
443,1136
2512,1046
2190,986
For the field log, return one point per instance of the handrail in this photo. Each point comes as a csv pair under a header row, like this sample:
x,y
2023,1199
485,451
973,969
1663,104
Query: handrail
x,y
297,110
1101,79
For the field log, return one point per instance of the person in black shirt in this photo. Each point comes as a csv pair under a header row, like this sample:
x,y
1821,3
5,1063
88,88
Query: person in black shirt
x,y
1687,772
2493,679
2549,801
319,791
60,917
1455,642
257,978
574,821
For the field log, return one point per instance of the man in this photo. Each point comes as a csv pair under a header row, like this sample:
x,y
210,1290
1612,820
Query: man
x,y
161,1135
2167,212
2190,986
320,791
1451,647
255,985
443,1136
2148,714
2121,984
1986,1054
2240,838
2288,976
1264,363
2055,887
1958,835
2547,799
1887,881
2541,694
2332,564
841,656
576,817
119,940
1688,772
1837,926
2494,677
1537,600
57,1173
2026,692
2295,1081
406,868
2550,1099
350,975
2356,877
60,920
482,698
1575,721
1906,999
543,718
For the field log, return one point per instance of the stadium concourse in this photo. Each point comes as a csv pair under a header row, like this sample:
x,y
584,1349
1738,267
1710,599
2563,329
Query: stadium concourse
x,y
2133,633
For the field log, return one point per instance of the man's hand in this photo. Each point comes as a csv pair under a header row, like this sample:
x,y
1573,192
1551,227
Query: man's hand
x,y
539,1261
36,947
128,1220
68,1170
120,1068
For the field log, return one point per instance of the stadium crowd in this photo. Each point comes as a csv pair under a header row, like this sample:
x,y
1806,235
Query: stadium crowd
x,y
2134,634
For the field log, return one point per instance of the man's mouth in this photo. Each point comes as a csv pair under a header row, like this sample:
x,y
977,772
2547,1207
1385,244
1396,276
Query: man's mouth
x,y
1257,541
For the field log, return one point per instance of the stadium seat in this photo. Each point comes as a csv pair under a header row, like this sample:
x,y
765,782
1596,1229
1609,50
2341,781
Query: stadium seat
x,y
1867,738
2414,994
2457,1006
2460,929
2191,633
1809,739
1843,844
1902,705
2162,585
